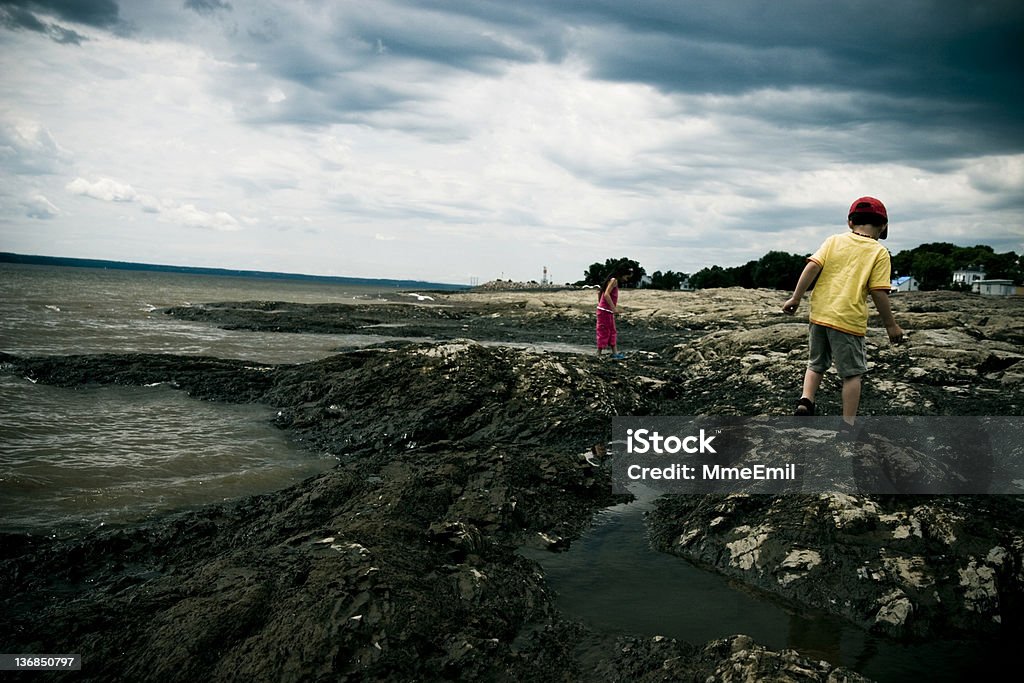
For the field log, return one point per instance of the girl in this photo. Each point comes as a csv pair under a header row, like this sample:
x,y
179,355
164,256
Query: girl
x,y
607,307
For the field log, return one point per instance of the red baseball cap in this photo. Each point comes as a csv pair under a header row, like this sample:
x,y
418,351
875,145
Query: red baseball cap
x,y
868,205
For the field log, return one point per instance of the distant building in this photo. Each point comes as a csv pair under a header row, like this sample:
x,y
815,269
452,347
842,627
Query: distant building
x,y
907,283
646,281
967,276
994,287
685,285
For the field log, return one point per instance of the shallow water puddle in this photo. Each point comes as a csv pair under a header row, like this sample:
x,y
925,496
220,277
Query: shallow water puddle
x,y
613,581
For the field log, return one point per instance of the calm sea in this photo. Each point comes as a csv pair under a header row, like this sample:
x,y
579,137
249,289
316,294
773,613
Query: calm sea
x,y
74,459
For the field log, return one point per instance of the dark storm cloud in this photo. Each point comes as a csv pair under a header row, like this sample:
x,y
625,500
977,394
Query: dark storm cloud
x,y
21,14
20,18
465,36
944,73
17,17
949,66
363,35
872,45
98,13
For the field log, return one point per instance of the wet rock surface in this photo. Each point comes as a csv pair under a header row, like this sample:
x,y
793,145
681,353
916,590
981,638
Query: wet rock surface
x,y
906,566
400,563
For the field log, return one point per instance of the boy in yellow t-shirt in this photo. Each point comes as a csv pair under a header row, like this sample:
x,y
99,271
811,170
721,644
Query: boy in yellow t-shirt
x,y
849,268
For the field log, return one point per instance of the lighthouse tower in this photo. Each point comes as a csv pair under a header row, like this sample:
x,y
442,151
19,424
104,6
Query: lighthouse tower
x,y
544,280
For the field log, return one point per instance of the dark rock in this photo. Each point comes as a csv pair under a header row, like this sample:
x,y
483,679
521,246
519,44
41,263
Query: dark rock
x,y
400,563
907,566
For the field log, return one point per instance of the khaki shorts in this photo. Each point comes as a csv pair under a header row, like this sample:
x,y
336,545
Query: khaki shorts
x,y
847,350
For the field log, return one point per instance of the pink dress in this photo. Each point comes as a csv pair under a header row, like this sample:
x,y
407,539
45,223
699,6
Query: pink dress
x,y
606,332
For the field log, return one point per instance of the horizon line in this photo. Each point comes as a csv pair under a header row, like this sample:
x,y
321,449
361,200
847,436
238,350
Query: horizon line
x,y
76,262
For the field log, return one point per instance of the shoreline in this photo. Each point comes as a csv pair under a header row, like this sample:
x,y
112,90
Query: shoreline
x,y
400,562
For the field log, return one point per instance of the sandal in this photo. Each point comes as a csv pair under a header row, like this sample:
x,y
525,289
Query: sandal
x,y
804,408
852,433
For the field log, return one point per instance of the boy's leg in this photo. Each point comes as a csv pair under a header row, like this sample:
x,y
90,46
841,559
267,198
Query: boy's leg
x,y
819,361
851,398
812,380
851,362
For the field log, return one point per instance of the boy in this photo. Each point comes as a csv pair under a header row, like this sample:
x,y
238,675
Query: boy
x,y
849,267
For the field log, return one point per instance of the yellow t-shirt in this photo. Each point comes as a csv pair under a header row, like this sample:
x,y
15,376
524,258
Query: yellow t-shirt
x,y
851,266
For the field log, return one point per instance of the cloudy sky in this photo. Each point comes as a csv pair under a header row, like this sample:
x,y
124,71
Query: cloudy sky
x,y
444,140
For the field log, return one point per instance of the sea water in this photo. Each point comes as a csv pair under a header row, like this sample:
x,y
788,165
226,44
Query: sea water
x,y
77,458
47,310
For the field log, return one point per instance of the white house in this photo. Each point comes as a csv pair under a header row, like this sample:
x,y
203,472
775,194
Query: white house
x,y
995,287
967,276
907,283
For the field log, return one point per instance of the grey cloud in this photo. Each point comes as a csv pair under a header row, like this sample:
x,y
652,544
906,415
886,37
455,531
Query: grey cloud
x,y
370,41
956,63
30,150
951,68
207,7
262,187
20,18
866,82
40,208
945,75
444,213
362,58
458,44
65,36
98,13
341,97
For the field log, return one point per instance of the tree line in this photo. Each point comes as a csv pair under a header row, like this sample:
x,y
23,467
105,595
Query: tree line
x,y
932,265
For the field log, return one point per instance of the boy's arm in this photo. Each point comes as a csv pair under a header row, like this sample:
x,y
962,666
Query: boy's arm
x,y
881,299
811,271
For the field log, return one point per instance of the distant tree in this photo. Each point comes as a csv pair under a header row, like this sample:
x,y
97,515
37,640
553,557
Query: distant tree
x,y
774,270
944,248
667,280
778,270
903,264
933,270
743,276
715,276
596,273
933,264
979,256
1006,266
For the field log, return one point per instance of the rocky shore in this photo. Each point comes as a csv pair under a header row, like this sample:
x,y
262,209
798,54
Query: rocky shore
x,y
401,563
